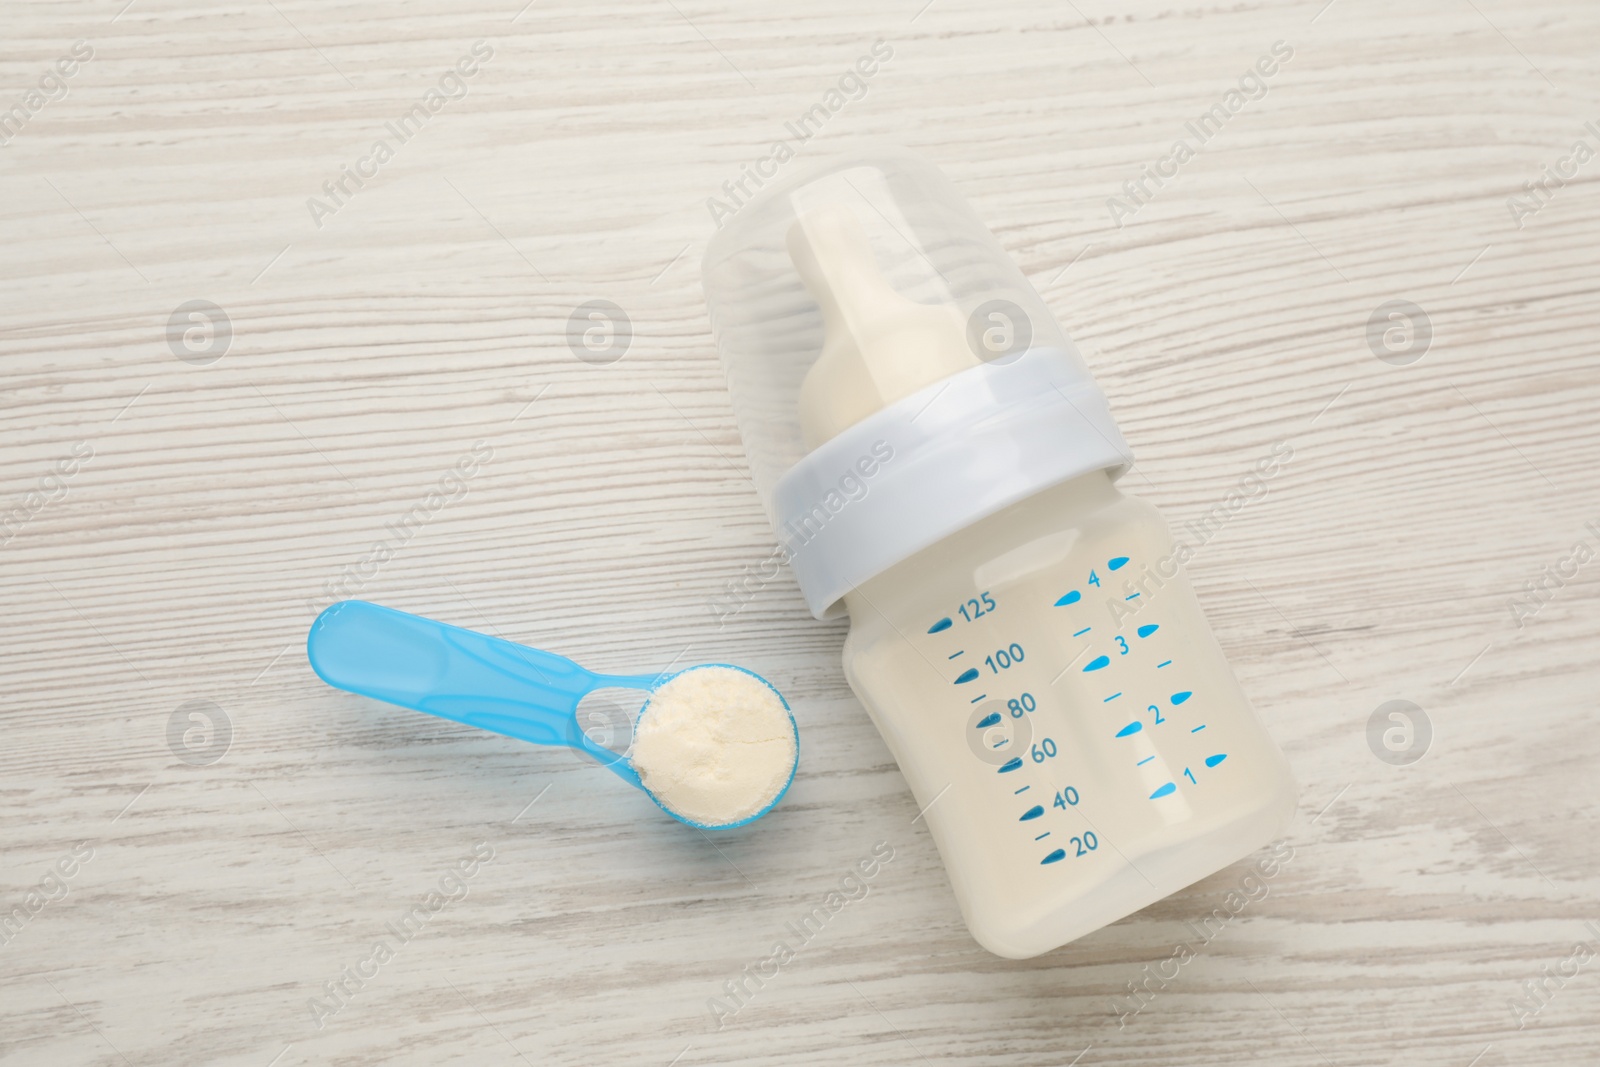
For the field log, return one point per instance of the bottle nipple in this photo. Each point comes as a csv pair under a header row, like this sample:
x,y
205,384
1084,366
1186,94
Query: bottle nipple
x,y
878,346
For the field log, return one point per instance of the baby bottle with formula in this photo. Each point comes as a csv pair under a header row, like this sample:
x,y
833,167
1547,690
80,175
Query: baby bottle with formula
x,y
939,465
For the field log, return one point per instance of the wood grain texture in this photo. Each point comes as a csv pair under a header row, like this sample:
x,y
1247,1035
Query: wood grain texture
x,y
372,352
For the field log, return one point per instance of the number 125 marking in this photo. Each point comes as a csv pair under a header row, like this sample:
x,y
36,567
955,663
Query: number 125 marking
x,y
977,607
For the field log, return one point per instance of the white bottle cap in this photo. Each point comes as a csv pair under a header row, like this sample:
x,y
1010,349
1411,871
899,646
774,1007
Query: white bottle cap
x,y
894,376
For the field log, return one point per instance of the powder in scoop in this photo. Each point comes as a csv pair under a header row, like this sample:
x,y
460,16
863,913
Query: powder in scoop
x,y
715,745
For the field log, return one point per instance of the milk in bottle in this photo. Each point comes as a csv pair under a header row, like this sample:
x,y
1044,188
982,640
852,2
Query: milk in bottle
x,y
939,465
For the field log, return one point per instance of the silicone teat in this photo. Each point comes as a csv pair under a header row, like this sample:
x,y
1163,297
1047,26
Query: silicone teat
x,y
487,682
878,346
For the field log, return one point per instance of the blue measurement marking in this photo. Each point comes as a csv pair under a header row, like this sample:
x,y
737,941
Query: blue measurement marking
x,y
1097,663
1144,631
963,652
1179,698
1197,729
1032,813
1165,791
1083,631
1042,836
1071,598
941,626
1058,854
1131,596
1142,762
1024,789
1110,698
1118,563
1010,765
968,675
1132,728
989,720
1168,663
980,696
1212,761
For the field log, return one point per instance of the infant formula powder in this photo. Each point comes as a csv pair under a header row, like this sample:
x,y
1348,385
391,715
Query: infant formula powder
x,y
715,745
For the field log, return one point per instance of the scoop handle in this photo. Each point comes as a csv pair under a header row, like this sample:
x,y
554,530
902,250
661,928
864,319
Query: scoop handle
x,y
460,675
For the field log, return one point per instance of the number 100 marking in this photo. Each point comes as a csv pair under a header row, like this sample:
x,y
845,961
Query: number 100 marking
x,y
1003,659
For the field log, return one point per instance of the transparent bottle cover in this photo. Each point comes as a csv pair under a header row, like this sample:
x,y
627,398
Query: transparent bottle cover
x,y
865,310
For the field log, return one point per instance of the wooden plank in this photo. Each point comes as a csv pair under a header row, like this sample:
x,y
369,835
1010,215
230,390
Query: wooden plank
x,y
184,559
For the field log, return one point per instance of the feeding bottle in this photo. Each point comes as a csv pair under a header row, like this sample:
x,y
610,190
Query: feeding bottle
x,y
939,465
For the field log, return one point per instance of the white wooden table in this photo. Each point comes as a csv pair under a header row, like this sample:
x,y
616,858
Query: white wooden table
x,y
172,523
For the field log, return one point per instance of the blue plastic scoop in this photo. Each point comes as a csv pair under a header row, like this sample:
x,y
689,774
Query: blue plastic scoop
x,y
483,681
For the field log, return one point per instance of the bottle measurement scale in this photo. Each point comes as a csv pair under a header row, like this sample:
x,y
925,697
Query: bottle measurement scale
x,y
1048,804
958,501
